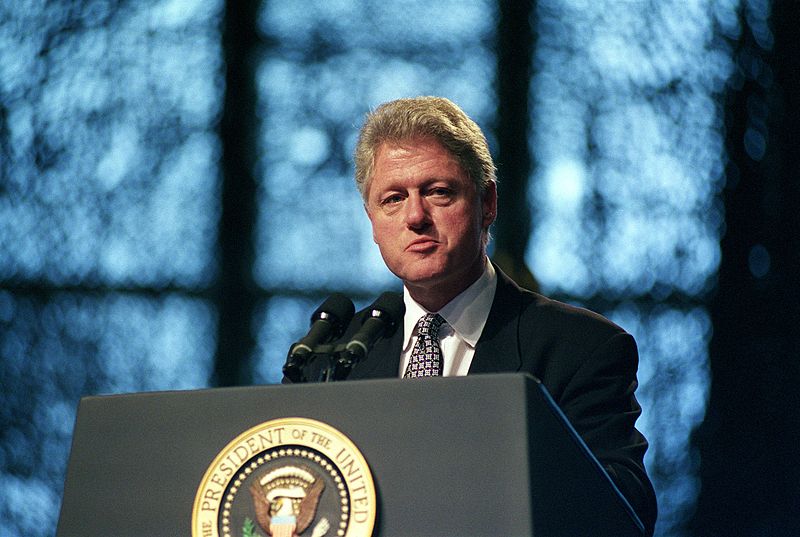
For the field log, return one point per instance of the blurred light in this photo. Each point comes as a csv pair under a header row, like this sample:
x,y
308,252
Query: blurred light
x,y
56,351
565,185
109,161
654,159
111,178
448,24
280,322
119,158
629,146
755,144
757,13
28,506
673,391
107,102
319,99
759,261
310,146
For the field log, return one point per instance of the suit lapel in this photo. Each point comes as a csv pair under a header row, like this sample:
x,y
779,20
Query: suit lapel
x,y
497,349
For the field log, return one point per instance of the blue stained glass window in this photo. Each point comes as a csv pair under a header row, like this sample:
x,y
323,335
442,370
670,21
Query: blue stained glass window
x,y
110,164
629,148
109,199
674,382
108,221
316,85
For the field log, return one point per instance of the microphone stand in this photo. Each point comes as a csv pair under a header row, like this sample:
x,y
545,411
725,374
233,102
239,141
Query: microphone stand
x,y
325,355
325,363
345,361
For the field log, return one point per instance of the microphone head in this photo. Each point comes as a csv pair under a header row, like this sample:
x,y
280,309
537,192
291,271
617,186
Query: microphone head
x,y
390,308
337,310
382,319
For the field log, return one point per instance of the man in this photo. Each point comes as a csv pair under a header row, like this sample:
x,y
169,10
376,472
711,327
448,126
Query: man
x,y
428,183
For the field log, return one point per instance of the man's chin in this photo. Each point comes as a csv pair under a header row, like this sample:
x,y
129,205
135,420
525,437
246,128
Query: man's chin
x,y
427,281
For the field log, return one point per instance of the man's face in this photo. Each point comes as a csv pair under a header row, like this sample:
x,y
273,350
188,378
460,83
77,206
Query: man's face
x,y
428,218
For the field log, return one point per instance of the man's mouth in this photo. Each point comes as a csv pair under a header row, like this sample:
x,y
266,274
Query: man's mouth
x,y
421,245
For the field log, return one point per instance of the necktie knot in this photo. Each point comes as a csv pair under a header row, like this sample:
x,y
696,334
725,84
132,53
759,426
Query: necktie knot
x,y
429,325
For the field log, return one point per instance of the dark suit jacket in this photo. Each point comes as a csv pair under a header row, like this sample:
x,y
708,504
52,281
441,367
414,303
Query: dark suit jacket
x,y
587,363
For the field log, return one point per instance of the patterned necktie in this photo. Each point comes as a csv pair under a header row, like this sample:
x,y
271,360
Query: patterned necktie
x,y
426,358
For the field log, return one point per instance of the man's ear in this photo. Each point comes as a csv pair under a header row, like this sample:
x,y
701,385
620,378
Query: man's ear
x,y
489,205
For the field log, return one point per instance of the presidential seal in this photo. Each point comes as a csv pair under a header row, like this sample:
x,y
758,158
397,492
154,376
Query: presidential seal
x,y
290,477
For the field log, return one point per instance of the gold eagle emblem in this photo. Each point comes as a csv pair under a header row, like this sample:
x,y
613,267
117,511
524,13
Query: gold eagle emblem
x,y
285,501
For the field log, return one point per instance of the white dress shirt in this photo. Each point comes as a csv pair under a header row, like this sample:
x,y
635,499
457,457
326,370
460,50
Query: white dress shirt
x,y
465,316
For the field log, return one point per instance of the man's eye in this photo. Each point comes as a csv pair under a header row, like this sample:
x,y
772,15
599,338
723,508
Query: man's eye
x,y
440,192
389,200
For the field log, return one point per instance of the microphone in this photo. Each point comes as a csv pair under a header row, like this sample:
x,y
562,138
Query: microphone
x,y
384,314
327,323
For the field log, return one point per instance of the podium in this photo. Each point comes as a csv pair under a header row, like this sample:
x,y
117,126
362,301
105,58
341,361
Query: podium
x,y
484,455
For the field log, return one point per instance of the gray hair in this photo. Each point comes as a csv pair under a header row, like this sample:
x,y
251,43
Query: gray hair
x,y
436,117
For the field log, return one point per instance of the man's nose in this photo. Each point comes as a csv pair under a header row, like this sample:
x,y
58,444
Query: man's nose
x,y
416,212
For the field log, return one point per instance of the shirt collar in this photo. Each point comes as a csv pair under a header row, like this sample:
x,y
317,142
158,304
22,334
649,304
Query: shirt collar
x,y
466,314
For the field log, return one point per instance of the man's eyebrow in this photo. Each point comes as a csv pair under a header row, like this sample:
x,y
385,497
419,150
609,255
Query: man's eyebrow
x,y
445,178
